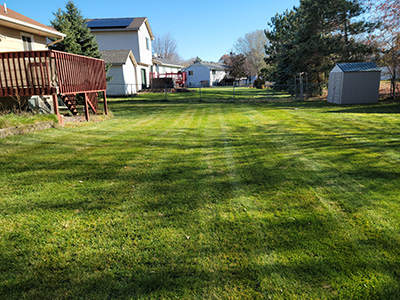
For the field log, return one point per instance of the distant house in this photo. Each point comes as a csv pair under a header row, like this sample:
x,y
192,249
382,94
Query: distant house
x,y
123,71
163,65
205,74
127,33
20,33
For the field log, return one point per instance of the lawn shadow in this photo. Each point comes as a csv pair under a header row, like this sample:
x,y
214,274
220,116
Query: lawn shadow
x,y
368,109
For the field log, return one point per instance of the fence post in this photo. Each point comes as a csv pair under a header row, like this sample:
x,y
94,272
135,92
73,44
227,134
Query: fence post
x,y
166,94
233,91
200,92
301,88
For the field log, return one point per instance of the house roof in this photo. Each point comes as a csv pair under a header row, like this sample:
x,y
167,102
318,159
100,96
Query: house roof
x,y
117,57
166,62
112,24
11,18
359,67
210,65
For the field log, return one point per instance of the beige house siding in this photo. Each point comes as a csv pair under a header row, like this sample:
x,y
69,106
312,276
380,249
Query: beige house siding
x,y
11,40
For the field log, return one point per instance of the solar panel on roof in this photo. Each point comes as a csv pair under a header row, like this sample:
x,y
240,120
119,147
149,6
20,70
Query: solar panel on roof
x,y
104,23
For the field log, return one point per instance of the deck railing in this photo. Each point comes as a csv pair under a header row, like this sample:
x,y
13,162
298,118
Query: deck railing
x,y
79,74
49,72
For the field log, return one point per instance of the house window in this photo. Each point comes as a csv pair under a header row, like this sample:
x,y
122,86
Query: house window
x,y
213,72
27,42
190,73
147,44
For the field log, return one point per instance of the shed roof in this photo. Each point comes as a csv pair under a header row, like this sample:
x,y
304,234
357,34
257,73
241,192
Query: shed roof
x,y
359,67
117,57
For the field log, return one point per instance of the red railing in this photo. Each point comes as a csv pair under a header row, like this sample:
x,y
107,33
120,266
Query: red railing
x,y
79,74
179,78
49,72
27,73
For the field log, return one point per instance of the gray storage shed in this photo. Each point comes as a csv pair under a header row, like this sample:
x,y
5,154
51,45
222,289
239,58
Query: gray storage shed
x,y
354,83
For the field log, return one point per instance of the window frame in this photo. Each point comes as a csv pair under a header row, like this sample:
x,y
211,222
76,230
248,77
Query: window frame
x,y
32,42
147,43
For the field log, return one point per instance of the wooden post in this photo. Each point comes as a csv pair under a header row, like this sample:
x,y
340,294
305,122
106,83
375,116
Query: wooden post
x,y
57,111
105,103
86,107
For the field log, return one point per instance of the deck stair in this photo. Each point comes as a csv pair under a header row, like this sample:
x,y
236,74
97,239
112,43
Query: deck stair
x,y
71,102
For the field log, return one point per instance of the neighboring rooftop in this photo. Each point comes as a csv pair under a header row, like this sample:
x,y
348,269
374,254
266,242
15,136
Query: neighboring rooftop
x,y
110,24
18,21
117,57
359,67
211,65
165,61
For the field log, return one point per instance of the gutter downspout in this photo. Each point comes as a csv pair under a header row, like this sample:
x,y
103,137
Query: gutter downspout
x,y
56,41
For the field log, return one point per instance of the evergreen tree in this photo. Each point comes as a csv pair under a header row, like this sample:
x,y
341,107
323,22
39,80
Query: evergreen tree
x,y
280,61
314,36
78,38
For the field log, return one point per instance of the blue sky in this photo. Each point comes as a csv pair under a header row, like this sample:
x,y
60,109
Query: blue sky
x,y
205,28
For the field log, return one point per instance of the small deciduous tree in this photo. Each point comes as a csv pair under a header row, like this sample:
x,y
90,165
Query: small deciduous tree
x,y
387,38
236,64
252,46
167,47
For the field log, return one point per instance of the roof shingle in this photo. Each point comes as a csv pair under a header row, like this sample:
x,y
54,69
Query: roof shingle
x,y
17,16
115,57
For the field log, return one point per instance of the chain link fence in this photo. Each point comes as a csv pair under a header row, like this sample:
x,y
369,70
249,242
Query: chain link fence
x,y
233,93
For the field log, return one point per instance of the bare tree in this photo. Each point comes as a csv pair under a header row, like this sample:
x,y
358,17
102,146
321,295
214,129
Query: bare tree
x,y
166,46
252,46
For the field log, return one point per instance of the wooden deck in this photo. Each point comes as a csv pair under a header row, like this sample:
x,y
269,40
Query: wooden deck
x,y
54,73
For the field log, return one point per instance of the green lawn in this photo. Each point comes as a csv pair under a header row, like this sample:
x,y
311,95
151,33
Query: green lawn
x,y
11,120
205,201
219,94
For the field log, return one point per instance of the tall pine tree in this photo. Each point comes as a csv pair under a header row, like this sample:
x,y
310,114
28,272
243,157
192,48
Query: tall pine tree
x,y
78,38
314,36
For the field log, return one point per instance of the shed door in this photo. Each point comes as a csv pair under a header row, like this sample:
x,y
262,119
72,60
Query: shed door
x,y
337,86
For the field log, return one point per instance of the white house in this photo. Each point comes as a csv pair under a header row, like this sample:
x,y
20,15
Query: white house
x,y
162,66
126,33
123,71
205,74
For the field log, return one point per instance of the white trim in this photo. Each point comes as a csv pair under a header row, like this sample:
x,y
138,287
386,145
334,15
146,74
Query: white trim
x,y
25,24
30,36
